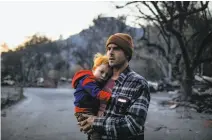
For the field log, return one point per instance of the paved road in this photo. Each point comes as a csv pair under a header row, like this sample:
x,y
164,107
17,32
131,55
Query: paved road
x,y
47,114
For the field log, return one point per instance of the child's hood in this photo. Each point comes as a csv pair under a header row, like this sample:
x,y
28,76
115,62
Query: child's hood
x,y
79,75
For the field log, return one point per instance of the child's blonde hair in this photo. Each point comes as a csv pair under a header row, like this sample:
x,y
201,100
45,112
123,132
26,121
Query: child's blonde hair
x,y
99,59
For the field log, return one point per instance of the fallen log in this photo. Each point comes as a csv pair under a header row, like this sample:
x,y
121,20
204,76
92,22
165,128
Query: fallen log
x,y
207,79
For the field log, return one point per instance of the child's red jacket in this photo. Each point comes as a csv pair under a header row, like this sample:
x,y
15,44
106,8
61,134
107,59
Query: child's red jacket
x,y
88,92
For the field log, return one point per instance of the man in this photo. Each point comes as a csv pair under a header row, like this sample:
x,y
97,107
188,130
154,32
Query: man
x,y
126,113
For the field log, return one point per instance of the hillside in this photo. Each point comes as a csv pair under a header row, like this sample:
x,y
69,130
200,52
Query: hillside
x,y
64,55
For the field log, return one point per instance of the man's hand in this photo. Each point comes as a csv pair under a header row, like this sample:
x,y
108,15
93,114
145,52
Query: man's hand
x,y
86,125
81,118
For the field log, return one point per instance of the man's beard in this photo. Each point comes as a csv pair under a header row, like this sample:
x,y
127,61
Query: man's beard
x,y
117,66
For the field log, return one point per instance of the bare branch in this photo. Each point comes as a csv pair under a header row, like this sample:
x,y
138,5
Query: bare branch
x,y
146,18
207,40
182,47
128,3
151,10
179,6
158,18
161,27
159,11
154,45
172,9
166,39
191,38
209,13
169,9
185,14
204,12
202,61
205,60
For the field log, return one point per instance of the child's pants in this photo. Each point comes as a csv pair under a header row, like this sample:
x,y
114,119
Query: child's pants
x,y
94,135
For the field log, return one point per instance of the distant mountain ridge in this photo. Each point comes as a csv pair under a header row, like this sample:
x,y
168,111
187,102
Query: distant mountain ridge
x,y
92,40
104,27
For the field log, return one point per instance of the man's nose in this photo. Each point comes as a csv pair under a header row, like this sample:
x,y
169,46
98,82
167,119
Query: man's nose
x,y
111,51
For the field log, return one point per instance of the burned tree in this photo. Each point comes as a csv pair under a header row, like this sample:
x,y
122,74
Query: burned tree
x,y
175,18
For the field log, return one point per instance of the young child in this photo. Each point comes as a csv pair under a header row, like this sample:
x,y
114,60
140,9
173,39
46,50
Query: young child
x,y
89,85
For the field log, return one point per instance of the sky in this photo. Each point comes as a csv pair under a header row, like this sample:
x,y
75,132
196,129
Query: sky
x,y
21,19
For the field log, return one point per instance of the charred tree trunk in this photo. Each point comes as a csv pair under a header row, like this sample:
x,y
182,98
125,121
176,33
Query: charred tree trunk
x,y
187,82
169,71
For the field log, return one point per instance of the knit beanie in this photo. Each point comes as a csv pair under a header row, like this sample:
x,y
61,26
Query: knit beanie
x,y
124,41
